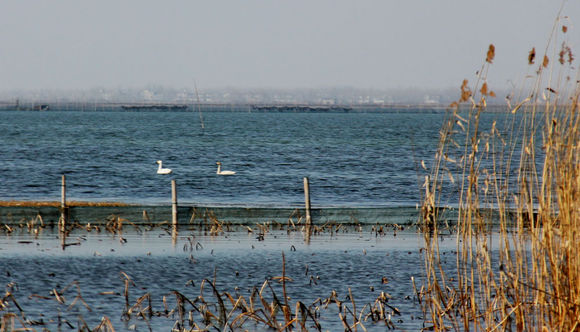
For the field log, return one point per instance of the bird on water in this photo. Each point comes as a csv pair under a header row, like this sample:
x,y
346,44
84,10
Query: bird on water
x,y
161,170
220,172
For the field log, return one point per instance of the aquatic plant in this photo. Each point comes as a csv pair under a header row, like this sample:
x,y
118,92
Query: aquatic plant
x,y
267,306
521,180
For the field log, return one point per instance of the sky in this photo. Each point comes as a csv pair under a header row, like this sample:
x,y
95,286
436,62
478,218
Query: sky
x,y
375,44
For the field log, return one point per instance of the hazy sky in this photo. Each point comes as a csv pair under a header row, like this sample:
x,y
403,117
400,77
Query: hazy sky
x,y
72,44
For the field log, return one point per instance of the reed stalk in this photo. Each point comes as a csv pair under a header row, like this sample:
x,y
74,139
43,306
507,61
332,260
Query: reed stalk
x,y
519,180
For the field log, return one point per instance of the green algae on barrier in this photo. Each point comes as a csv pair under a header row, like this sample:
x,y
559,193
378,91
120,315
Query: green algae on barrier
x,y
101,214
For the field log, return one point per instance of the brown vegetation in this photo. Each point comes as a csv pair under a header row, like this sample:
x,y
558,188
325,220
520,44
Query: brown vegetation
x,y
527,170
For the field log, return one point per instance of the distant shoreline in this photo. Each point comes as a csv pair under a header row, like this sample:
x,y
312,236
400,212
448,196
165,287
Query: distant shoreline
x,y
224,107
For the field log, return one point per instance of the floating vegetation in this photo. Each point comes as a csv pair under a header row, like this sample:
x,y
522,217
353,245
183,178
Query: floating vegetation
x,y
207,307
267,306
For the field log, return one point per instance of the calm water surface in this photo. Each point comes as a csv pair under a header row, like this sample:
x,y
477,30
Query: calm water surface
x,y
239,262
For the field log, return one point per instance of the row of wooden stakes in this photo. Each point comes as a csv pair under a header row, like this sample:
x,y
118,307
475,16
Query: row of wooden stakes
x,y
174,217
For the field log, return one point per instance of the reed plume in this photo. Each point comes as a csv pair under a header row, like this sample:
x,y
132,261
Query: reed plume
x,y
520,180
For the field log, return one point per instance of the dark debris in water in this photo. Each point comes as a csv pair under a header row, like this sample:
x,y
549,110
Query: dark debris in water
x,y
239,294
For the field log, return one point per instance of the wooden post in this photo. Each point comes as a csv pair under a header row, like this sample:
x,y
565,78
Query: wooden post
x,y
63,208
63,192
173,203
307,205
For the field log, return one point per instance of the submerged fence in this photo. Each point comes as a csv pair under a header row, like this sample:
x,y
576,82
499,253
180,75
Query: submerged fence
x,y
101,213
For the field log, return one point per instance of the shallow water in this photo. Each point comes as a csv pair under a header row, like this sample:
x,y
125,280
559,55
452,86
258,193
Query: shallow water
x,y
239,261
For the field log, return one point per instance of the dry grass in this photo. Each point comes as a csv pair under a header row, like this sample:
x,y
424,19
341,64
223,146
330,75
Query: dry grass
x,y
267,307
527,170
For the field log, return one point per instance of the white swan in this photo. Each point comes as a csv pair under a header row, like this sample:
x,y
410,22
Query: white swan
x,y
161,170
220,172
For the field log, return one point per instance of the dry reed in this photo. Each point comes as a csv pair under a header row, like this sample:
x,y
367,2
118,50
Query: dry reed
x,y
526,171
268,306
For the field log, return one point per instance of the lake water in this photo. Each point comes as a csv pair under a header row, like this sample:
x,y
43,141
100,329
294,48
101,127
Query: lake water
x,y
240,262
351,159
356,161
362,166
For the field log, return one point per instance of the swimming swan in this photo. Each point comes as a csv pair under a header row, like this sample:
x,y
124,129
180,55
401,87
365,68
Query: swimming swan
x,y
161,170
220,172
